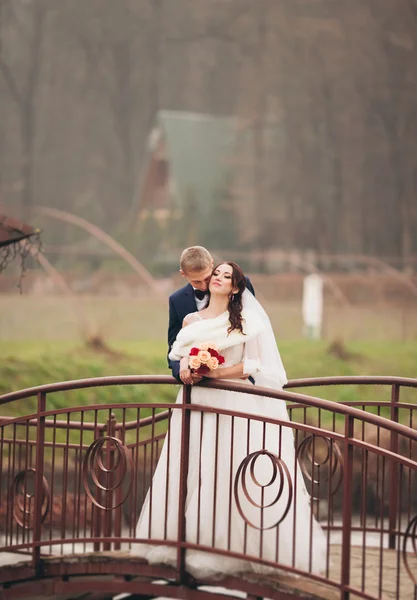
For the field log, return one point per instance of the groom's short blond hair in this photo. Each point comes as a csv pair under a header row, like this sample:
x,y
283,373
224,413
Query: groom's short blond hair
x,y
195,258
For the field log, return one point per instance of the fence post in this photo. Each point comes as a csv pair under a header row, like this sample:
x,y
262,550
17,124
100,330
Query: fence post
x,y
347,507
39,488
393,468
185,447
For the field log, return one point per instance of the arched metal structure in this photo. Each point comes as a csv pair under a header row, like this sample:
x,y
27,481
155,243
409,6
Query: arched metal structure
x,y
104,237
73,481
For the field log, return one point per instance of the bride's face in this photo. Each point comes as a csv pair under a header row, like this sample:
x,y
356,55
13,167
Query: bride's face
x,y
221,280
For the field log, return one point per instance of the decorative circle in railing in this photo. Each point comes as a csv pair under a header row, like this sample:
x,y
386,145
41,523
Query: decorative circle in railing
x,y
320,467
410,537
23,495
279,471
119,461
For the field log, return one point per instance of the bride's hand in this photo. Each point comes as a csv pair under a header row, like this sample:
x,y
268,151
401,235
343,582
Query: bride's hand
x,y
185,373
213,374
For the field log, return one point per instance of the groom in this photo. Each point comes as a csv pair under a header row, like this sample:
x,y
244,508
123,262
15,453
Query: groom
x,y
196,266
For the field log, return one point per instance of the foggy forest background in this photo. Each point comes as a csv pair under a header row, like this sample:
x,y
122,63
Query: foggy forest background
x,y
81,84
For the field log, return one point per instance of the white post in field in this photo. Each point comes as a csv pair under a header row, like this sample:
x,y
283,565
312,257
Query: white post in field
x,y
313,306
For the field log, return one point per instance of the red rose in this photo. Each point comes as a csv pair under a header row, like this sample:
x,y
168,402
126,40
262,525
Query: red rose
x,y
194,351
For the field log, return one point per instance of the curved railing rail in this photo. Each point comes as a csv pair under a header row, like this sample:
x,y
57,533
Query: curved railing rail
x,y
75,479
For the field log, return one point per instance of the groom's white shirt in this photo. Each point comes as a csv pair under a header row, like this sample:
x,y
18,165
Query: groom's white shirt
x,y
200,304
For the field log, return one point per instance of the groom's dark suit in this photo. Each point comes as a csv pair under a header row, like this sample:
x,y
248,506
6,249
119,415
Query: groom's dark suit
x,y
181,304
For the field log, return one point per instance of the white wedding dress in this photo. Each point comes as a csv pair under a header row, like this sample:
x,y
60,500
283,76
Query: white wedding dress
x,y
218,445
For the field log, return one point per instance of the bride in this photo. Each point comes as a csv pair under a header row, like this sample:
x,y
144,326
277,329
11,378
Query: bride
x,y
245,490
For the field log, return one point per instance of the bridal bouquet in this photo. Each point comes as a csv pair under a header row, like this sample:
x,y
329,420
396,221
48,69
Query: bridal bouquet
x,y
204,358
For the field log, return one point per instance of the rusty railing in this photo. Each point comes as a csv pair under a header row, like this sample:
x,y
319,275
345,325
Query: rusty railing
x,y
75,481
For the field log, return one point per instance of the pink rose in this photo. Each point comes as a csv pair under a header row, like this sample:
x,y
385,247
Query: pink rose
x,y
204,356
213,363
194,362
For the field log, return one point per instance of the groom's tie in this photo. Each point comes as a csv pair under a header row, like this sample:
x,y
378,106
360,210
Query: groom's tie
x,y
199,294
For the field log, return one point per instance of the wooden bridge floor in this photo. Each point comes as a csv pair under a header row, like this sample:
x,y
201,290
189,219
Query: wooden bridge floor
x,y
62,575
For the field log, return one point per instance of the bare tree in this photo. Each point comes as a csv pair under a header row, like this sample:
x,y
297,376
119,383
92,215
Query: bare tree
x,y
325,92
27,22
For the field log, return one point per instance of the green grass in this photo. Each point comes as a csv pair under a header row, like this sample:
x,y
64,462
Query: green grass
x,y
25,365
30,364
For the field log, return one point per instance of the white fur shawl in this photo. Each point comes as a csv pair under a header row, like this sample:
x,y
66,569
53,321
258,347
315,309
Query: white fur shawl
x,y
215,331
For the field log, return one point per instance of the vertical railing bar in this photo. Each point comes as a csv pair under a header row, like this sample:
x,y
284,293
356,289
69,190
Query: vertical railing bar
x,y
347,507
19,469
261,533
329,500
151,472
313,487
294,517
32,448
145,462
377,468
132,494
245,525
200,449
278,533
410,454
279,450
13,476
52,481
393,471
229,519
133,522
40,448
117,529
216,456
95,511
26,470
125,439
1,465
65,488
184,463
9,489
381,543
77,466
318,495
85,528
364,466
364,514
80,479
75,494
107,515
398,553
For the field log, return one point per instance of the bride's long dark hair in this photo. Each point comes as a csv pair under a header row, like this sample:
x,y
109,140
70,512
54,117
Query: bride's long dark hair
x,y
235,299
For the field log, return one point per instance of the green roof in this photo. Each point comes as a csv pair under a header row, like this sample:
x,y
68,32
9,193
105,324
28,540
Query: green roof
x,y
199,150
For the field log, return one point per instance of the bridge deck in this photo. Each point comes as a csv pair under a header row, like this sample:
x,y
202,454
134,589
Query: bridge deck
x,y
94,571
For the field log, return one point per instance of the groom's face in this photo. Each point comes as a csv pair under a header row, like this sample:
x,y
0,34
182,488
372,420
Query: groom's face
x,y
199,279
